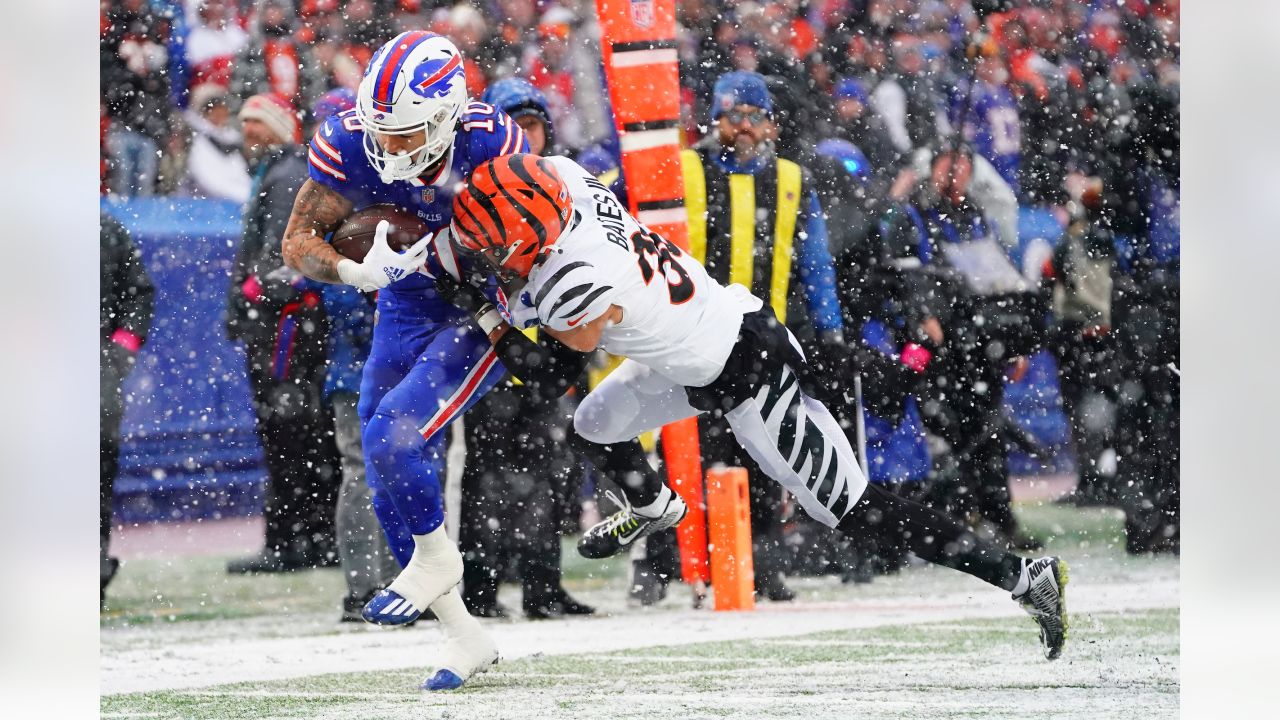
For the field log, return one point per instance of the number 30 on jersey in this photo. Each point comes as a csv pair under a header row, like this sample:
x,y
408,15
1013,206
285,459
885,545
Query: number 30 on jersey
x,y
656,255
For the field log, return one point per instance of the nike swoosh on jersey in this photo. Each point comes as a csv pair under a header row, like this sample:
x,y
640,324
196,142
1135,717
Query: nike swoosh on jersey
x,y
328,130
576,320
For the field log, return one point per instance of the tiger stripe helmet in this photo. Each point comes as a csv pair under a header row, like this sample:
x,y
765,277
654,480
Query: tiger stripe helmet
x,y
512,209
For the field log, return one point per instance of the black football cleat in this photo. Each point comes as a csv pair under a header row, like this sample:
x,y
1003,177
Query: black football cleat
x,y
621,529
1045,601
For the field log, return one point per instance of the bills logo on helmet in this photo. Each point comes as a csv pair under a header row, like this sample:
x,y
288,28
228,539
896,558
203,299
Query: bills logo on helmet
x,y
434,78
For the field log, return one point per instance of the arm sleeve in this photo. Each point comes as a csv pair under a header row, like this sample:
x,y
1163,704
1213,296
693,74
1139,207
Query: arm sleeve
x,y
547,367
817,269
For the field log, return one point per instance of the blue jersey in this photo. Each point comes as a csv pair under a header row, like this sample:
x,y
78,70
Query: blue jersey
x,y
992,125
337,160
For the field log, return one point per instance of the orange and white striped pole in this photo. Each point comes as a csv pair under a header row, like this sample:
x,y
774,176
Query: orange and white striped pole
x,y
638,41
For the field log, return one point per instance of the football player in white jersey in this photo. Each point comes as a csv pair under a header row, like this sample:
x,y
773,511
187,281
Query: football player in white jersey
x,y
577,265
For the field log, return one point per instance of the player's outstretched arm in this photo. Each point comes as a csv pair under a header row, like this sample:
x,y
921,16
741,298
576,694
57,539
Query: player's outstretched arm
x,y
317,211
547,367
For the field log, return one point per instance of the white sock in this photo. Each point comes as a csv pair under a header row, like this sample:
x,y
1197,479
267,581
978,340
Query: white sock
x,y
436,566
453,616
1024,580
655,508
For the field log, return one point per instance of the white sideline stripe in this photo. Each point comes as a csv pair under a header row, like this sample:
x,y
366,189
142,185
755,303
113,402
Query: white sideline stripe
x,y
645,139
632,58
663,216
194,662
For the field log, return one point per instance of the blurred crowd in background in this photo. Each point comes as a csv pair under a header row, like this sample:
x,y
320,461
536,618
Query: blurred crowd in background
x,y
923,127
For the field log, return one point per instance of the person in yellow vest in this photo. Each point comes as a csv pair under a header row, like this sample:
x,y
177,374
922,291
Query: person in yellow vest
x,y
755,220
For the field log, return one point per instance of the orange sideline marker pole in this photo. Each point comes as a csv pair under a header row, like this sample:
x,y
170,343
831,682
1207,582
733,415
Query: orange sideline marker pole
x,y
638,44
729,516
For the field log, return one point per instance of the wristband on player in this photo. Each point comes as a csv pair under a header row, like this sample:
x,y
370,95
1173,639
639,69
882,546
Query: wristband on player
x,y
488,318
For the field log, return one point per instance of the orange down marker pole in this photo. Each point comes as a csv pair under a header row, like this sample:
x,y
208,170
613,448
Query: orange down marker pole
x,y
638,42
729,514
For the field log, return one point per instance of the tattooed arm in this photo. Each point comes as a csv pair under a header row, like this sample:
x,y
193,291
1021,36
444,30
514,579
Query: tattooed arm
x,y
316,211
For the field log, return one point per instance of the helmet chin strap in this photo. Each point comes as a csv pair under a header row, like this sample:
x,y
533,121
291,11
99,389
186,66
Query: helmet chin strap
x,y
436,167
394,167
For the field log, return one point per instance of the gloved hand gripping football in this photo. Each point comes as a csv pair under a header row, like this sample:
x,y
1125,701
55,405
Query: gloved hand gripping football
x,y
383,266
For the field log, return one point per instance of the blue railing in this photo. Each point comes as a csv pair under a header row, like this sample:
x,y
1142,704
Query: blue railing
x,y
188,444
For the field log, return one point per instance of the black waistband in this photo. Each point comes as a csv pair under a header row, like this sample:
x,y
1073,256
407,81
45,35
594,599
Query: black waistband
x,y
762,348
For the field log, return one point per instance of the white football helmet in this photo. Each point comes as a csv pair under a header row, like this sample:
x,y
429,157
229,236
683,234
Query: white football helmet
x,y
414,84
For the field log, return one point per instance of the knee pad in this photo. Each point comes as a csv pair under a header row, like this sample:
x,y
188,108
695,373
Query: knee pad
x,y
585,423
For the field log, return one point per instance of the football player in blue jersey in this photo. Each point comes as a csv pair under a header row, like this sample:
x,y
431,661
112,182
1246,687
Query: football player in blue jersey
x,y
412,136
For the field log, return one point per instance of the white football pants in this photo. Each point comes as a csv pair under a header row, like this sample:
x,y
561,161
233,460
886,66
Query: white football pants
x,y
792,436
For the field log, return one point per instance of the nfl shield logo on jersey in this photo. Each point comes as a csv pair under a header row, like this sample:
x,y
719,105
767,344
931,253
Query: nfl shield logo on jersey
x,y
428,195
642,13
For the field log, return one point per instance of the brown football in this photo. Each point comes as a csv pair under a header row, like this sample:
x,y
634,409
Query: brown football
x,y
354,237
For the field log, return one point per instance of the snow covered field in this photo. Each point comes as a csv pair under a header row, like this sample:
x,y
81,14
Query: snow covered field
x,y
926,643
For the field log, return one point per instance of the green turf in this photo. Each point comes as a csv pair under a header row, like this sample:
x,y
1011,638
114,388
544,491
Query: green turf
x,y
1117,665
198,588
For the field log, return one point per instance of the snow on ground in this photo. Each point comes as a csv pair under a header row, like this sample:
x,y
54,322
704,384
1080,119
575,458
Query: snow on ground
x,y
928,642
230,656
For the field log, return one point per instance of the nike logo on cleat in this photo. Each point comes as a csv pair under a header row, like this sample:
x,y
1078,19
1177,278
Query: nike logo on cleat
x,y
627,538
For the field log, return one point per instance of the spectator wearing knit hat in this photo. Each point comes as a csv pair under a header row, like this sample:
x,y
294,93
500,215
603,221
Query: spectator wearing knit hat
x,y
214,40
216,166
284,328
135,94
857,123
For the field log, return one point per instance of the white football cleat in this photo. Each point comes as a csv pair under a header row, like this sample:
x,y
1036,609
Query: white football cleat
x,y
460,660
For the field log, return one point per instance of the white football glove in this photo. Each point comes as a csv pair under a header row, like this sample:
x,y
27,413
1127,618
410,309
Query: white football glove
x,y
382,266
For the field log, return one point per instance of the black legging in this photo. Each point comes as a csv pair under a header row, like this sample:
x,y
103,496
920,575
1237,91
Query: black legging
x,y
930,535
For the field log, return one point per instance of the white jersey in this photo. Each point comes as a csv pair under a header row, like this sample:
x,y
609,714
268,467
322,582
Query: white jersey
x,y
675,318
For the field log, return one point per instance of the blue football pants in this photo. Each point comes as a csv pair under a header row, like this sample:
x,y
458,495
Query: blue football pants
x,y
419,377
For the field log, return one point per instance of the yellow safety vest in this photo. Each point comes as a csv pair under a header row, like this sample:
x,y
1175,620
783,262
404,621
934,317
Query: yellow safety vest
x,y
742,224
